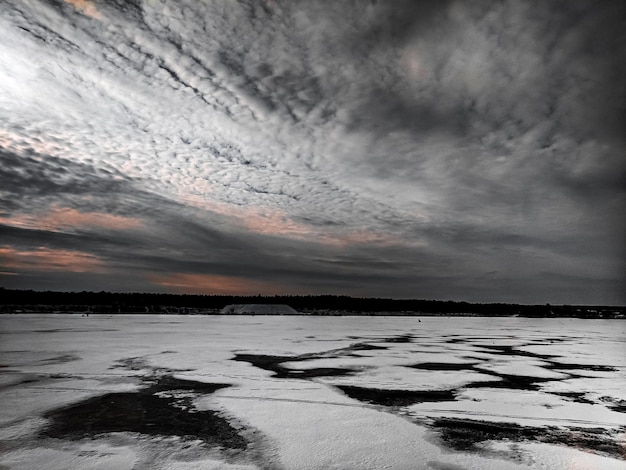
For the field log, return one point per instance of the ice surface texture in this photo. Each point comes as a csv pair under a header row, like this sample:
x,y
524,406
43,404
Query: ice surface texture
x,y
311,392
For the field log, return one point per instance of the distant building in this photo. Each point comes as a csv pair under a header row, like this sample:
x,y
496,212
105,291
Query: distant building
x,y
258,309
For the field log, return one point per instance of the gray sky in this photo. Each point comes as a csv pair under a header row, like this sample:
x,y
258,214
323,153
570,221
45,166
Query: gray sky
x,y
467,150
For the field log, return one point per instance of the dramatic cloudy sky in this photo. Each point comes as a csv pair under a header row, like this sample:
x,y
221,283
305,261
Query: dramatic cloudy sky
x,y
466,150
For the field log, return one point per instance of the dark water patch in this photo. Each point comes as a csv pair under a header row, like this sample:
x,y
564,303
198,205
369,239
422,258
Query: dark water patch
x,y
492,338
512,351
551,340
444,366
511,382
15,378
406,338
475,358
168,382
364,347
456,340
141,363
19,378
318,372
62,359
578,397
398,339
466,435
388,397
131,363
274,364
336,353
73,330
614,404
552,365
164,408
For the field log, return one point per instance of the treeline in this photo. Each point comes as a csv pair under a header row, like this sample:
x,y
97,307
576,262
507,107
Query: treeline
x,y
111,302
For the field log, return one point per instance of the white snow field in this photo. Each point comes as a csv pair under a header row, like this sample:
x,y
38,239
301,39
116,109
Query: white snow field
x,y
304,392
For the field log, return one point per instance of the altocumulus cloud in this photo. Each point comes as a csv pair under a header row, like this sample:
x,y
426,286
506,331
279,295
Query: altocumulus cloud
x,y
444,149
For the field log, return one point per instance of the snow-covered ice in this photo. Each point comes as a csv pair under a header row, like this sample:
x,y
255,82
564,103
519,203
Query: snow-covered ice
x,y
538,373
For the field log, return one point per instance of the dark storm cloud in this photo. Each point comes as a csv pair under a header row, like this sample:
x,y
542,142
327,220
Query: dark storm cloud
x,y
407,148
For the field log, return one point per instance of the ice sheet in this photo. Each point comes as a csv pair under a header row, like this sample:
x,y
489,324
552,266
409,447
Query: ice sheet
x,y
523,407
402,378
51,361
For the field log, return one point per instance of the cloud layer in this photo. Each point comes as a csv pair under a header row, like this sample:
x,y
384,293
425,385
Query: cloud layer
x,y
462,150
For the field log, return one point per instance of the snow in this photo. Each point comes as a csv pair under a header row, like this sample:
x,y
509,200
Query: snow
x,y
550,456
402,378
614,387
92,456
50,361
326,436
259,309
524,367
522,407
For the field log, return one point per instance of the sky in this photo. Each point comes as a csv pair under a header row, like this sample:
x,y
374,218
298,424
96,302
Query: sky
x,y
454,150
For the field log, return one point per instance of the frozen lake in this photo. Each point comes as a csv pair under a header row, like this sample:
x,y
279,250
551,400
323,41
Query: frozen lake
x,y
296,392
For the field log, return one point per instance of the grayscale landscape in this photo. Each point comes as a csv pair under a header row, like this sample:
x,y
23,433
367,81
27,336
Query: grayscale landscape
x,y
311,392
312,234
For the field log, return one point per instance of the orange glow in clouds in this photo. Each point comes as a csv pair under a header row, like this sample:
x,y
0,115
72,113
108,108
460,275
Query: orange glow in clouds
x,y
274,222
86,7
46,259
185,283
279,224
61,218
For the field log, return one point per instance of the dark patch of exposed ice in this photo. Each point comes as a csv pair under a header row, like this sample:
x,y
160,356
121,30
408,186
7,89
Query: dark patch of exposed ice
x,y
466,435
164,408
388,397
274,364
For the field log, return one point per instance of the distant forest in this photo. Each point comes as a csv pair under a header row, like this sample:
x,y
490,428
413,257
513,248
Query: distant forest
x,y
29,301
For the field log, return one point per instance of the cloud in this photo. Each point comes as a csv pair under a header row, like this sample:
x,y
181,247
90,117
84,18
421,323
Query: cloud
x,y
219,285
59,218
44,259
353,147
86,7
